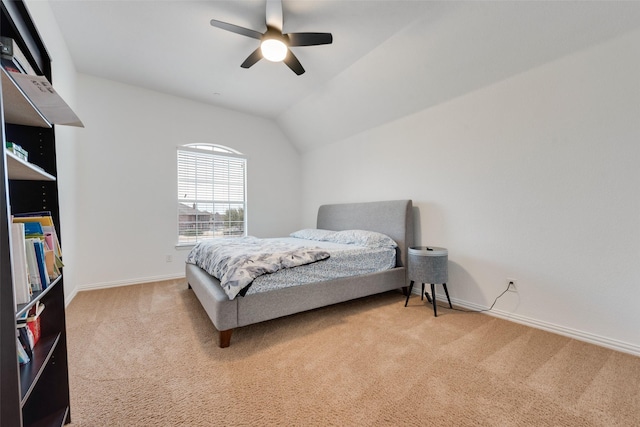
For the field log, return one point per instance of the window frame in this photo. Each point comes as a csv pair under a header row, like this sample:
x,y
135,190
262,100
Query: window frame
x,y
213,152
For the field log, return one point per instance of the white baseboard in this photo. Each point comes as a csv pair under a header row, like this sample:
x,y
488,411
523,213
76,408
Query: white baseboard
x,y
117,283
69,297
599,340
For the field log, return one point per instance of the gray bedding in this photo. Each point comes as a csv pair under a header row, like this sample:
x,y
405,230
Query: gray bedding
x,y
345,260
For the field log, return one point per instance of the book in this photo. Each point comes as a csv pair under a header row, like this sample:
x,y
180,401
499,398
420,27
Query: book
x,y
31,214
21,285
16,149
51,237
10,51
41,93
32,264
48,238
40,225
23,357
33,229
46,221
32,321
25,337
42,264
53,270
10,65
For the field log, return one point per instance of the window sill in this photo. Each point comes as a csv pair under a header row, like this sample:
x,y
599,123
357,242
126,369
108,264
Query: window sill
x,y
184,246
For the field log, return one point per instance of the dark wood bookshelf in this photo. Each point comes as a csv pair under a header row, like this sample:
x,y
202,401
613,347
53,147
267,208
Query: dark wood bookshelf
x,y
36,393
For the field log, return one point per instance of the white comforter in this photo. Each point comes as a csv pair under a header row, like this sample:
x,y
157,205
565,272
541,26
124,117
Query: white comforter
x,y
237,262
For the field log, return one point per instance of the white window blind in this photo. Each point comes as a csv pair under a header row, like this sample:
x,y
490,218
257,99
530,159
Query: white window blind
x,y
211,193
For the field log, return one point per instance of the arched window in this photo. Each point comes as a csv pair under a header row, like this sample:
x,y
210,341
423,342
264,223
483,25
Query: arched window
x,y
211,193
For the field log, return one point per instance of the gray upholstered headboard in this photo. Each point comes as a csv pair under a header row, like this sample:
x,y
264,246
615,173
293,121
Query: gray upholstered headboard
x,y
393,218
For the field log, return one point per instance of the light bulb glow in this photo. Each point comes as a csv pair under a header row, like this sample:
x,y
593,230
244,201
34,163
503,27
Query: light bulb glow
x,y
273,50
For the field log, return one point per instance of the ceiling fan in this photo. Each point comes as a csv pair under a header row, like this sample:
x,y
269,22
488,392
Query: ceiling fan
x,y
274,45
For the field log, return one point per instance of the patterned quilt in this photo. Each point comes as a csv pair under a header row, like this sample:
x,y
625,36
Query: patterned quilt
x,y
237,262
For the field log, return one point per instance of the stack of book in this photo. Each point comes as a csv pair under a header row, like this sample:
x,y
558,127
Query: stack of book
x,y
25,349
12,57
28,332
36,254
18,151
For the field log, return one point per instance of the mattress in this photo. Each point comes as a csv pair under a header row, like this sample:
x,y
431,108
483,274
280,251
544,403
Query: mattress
x,y
345,260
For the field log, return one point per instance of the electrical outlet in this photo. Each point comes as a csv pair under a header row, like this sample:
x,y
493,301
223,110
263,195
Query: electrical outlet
x,y
513,284
169,258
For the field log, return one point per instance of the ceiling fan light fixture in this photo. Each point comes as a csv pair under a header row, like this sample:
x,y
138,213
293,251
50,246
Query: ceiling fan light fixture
x,y
274,44
273,50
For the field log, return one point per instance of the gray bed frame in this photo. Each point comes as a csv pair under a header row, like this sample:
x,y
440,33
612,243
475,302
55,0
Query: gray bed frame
x,y
393,218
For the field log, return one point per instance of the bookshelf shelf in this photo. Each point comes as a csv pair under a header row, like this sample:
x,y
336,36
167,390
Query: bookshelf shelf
x,y
18,169
19,110
36,393
37,296
55,419
30,372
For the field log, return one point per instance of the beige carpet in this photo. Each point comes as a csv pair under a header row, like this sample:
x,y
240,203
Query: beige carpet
x,y
147,355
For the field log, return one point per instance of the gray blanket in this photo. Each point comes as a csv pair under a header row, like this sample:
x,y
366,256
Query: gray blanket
x,y
236,262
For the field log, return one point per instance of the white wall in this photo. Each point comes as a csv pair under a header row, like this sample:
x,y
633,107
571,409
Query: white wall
x,y
127,191
117,176
534,178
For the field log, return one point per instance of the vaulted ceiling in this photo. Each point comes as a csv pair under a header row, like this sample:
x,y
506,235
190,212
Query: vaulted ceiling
x,y
389,58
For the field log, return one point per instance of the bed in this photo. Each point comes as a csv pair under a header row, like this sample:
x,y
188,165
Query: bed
x,y
392,218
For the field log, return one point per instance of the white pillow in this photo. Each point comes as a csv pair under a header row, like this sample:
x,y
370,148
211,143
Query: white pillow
x,y
367,238
311,234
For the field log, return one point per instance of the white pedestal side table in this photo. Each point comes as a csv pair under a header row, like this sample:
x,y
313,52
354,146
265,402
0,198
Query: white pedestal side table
x,y
428,264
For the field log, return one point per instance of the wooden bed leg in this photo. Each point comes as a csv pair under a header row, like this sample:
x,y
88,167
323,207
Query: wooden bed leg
x,y
225,338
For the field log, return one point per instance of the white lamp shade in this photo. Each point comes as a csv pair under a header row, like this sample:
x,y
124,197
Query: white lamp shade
x,y
273,50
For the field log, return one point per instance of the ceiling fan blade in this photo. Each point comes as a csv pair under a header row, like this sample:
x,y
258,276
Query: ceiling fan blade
x,y
293,63
309,39
236,29
252,59
274,14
